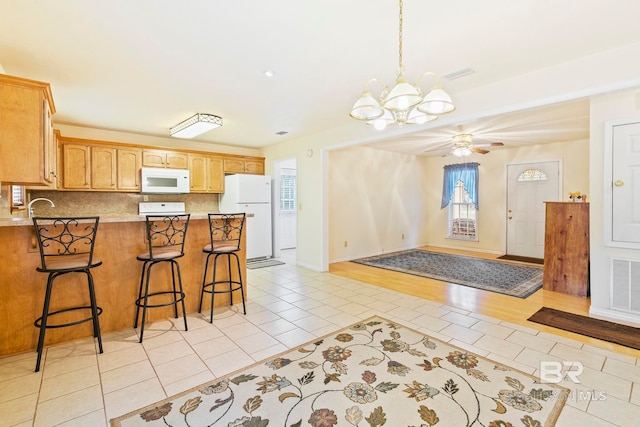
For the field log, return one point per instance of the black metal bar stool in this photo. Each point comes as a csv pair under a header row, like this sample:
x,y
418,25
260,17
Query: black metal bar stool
x,y
66,246
225,231
165,236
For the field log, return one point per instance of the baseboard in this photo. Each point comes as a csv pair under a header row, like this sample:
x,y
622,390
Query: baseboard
x,y
384,251
613,315
486,251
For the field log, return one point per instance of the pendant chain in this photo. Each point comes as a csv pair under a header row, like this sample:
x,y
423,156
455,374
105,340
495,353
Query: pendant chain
x,y
400,40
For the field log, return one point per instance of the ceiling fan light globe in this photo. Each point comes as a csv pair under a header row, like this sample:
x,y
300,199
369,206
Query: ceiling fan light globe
x,y
366,108
437,102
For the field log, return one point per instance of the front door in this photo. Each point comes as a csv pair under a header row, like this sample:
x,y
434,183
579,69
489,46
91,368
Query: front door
x,y
529,185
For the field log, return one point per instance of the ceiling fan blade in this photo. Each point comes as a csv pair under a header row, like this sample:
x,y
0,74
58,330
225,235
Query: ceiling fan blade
x,y
489,144
448,154
478,150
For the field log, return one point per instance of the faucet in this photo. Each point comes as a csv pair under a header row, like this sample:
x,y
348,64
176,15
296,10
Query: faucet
x,y
30,209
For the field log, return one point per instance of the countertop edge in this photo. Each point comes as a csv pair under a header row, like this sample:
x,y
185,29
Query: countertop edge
x,y
21,222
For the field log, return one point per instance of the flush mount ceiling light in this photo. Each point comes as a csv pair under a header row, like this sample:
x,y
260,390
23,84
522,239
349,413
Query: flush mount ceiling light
x,y
404,103
196,125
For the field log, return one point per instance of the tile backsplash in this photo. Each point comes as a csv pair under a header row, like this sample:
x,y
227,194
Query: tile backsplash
x,y
79,203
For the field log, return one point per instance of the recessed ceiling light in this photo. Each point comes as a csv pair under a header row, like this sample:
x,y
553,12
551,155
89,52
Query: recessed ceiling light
x,y
269,73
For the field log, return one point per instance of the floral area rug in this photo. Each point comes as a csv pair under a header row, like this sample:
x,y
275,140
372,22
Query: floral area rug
x,y
505,277
374,373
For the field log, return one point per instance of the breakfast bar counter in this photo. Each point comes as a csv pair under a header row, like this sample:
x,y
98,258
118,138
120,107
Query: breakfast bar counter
x,y
119,240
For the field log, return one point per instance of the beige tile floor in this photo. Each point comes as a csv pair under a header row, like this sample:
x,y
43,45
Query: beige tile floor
x,y
288,306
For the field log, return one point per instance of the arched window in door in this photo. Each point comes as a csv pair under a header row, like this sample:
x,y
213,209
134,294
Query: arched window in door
x,y
530,175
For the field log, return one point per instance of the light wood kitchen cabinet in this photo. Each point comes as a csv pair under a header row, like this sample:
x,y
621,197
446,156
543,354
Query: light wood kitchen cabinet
x,y
164,159
566,248
76,166
27,143
129,163
244,165
103,167
206,174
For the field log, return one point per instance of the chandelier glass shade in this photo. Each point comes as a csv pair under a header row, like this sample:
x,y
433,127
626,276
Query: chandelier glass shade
x,y
196,125
404,102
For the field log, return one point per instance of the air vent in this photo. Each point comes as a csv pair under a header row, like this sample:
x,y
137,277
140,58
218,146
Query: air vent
x,y
458,73
282,132
625,285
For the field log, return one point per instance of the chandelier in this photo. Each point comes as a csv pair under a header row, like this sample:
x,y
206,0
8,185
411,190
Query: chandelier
x,y
404,103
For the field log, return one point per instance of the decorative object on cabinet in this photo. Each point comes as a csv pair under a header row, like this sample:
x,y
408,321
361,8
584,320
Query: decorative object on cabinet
x,y
66,246
196,125
566,248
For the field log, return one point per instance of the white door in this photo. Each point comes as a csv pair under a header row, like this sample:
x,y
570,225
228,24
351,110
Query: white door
x,y
529,185
626,183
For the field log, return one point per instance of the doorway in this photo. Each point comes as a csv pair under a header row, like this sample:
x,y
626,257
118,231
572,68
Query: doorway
x,y
285,201
529,186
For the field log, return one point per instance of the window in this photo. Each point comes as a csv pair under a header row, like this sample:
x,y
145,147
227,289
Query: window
x,y
529,175
462,214
460,193
17,197
288,190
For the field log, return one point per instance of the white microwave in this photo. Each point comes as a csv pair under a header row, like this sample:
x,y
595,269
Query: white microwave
x,y
159,180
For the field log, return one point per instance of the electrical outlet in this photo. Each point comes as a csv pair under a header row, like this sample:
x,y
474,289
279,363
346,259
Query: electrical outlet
x,y
345,243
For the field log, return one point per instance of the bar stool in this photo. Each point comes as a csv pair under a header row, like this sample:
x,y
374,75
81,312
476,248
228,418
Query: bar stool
x,y
165,236
66,246
225,231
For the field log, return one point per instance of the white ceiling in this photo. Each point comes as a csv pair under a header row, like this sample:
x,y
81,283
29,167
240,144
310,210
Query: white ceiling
x,y
142,66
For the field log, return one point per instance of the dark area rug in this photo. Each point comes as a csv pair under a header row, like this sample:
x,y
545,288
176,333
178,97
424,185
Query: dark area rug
x,y
490,275
617,333
261,263
522,259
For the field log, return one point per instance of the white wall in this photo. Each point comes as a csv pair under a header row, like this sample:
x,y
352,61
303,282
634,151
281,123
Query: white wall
x,y
615,106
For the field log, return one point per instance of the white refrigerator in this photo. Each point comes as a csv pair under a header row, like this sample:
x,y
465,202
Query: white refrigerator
x,y
251,194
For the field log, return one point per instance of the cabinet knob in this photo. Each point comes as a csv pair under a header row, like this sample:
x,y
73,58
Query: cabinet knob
x,y
510,217
618,183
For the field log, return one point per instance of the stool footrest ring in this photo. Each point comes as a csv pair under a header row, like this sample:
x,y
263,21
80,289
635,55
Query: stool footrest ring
x,y
38,322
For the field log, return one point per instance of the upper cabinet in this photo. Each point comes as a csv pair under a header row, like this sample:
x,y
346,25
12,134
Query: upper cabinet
x,y
251,165
164,159
206,173
27,142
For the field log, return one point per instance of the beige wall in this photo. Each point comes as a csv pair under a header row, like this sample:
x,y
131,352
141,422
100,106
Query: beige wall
x,y
377,202
377,196
574,160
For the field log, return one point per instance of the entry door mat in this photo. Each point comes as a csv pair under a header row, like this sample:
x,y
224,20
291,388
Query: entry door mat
x,y
373,373
504,277
261,263
627,336
522,259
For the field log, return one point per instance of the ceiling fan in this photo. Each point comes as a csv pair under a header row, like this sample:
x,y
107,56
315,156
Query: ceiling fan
x,y
463,146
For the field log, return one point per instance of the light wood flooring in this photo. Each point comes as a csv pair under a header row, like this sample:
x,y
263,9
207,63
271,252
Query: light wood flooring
x,y
504,307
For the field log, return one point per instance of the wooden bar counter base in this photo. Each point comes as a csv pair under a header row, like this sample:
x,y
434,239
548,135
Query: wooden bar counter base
x,y
566,248
118,243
